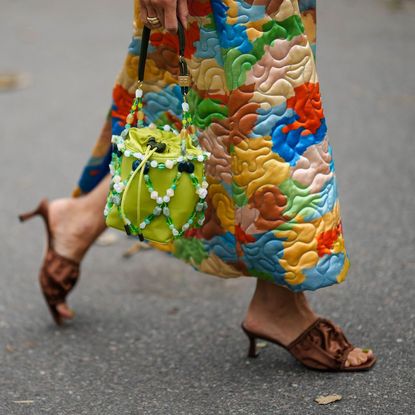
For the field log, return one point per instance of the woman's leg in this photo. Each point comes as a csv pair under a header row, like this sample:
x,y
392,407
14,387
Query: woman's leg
x,y
75,224
283,315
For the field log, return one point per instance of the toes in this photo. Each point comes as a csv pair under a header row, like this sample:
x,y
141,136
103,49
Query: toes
x,y
358,356
369,353
64,311
354,357
360,359
353,361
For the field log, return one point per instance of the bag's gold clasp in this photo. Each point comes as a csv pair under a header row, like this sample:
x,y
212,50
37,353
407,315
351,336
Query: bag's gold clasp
x,y
184,80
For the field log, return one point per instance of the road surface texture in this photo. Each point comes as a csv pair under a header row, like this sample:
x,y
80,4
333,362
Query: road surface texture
x,y
151,335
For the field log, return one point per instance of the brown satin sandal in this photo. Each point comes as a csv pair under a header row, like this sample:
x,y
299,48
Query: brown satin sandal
x,y
58,275
322,346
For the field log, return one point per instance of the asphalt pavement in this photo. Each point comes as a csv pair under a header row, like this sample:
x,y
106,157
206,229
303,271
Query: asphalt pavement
x,y
152,336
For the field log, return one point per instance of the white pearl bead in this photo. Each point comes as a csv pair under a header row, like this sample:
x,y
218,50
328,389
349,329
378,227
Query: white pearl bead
x,y
169,164
185,106
166,199
167,127
205,184
127,153
200,158
138,93
202,193
154,195
153,163
119,187
170,192
143,225
166,211
175,232
159,200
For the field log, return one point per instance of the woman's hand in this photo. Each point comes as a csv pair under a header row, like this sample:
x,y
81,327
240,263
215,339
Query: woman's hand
x,y
167,12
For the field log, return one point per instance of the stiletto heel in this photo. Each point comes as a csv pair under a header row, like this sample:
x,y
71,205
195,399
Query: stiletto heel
x,y
58,275
23,217
322,346
252,351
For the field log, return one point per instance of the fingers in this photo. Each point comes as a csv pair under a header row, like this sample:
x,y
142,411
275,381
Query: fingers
x,y
147,10
144,14
166,11
169,10
183,12
160,14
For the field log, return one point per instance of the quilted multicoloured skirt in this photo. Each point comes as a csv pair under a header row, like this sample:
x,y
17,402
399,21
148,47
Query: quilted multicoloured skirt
x,y
273,209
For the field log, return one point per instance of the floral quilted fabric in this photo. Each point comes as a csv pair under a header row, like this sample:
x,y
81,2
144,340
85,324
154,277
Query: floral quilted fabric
x,y
273,209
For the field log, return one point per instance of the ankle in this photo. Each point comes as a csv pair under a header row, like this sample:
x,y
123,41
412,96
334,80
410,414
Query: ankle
x,y
278,313
75,217
74,227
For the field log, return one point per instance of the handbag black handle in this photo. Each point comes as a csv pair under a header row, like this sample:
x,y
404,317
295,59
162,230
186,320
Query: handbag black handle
x,y
145,37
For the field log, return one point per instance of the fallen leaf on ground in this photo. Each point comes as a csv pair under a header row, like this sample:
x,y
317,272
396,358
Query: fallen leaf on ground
x,y
324,400
133,249
12,81
261,345
173,311
106,239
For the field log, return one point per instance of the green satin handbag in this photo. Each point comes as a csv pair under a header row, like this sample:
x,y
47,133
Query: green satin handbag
x,y
158,185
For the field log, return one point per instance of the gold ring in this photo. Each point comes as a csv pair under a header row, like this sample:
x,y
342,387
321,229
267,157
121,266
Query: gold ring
x,y
153,20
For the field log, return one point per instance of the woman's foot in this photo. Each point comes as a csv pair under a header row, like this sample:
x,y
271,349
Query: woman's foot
x,y
74,228
280,314
75,223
